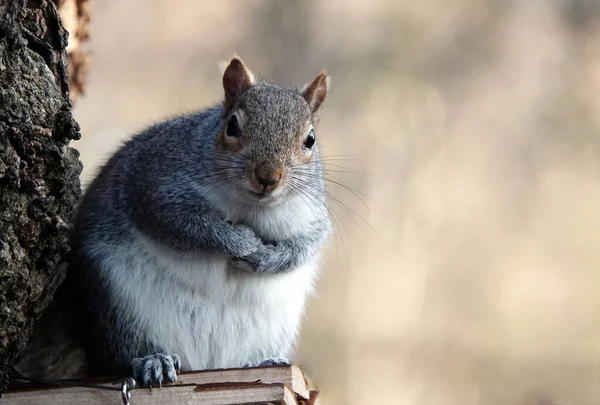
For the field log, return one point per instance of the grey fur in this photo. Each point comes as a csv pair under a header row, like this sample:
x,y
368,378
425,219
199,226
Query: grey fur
x,y
173,185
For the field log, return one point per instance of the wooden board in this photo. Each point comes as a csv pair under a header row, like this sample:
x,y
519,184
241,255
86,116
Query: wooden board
x,y
228,394
278,385
289,375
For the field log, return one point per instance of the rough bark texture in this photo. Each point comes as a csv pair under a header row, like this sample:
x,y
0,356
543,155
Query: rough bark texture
x,y
39,172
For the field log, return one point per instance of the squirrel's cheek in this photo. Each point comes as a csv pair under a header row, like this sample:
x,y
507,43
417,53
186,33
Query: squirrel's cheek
x,y
305,156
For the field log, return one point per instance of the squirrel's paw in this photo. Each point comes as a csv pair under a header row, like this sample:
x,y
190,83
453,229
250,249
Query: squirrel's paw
x,y
276,361
156,369
257,262
245,264
245,241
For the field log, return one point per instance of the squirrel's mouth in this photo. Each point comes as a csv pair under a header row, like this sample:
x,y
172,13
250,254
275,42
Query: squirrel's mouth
x,y
265,197
257,195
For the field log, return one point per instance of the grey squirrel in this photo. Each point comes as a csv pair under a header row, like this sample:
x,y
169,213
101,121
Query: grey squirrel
x,y
198,242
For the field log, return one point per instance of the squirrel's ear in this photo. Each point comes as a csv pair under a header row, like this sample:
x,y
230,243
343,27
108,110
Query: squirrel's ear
x,y
237,78
316,91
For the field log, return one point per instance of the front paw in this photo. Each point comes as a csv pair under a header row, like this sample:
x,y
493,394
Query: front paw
x,y
260,261
155,369
246,263
244,242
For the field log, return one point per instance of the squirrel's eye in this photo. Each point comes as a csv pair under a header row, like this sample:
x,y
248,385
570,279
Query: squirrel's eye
x,y
232,127
310,139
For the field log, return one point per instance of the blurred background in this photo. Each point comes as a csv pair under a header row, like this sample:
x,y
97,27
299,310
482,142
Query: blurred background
x,y
469,275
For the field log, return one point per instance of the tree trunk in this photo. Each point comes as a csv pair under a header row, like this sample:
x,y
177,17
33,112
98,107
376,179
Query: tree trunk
x,y
39,172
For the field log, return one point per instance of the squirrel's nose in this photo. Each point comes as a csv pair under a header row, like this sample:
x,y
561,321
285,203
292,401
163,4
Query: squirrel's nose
x,y
267,175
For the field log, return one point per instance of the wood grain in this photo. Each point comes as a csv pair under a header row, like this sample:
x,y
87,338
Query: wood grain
x,y
278,385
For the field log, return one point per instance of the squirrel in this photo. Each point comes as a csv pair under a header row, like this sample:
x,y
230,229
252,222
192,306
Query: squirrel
x,y
198,242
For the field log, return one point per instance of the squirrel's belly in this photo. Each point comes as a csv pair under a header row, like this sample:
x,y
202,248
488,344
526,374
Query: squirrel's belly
x,y
213,317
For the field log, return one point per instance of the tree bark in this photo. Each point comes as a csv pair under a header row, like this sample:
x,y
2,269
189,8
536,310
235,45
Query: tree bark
x,y
39,172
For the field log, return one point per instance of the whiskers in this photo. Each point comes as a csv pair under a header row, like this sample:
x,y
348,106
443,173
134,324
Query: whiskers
x,y
314,186
223,172
305,181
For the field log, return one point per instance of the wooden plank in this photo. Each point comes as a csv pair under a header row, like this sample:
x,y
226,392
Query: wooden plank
x,y
289,375
206,394
212,386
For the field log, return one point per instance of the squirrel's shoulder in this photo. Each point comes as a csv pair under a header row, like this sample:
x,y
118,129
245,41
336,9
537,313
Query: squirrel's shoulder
x,y
199,123
163,138
160,142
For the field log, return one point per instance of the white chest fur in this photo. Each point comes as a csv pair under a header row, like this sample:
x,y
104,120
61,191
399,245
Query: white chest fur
x,y
211,315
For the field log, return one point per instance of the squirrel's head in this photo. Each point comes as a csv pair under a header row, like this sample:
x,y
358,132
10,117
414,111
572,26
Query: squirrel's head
x,y
267,140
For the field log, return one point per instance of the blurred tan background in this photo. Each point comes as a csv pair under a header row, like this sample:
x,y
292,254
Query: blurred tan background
x,y
472,276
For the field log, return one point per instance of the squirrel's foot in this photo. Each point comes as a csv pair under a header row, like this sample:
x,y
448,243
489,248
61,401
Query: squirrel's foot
x,y
155,369
274,362
277,361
